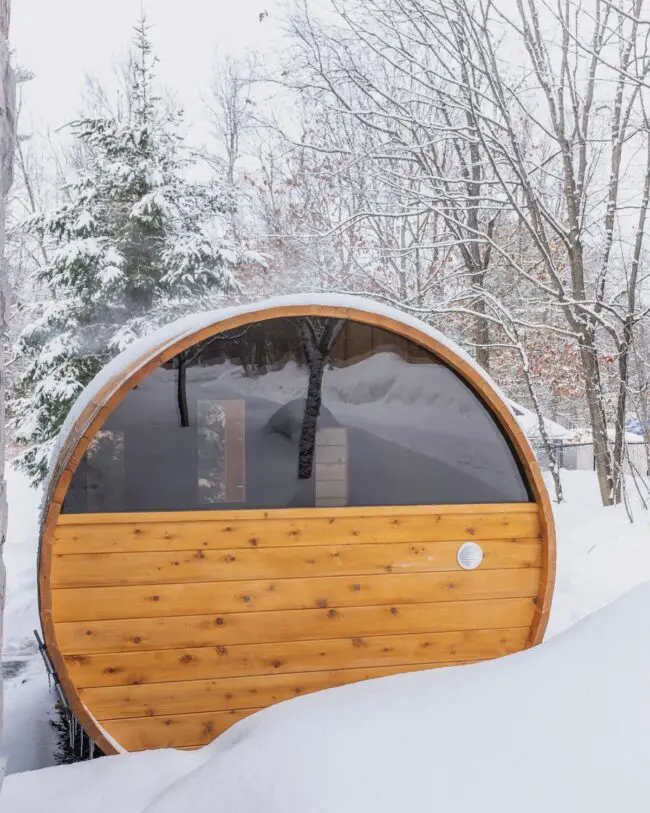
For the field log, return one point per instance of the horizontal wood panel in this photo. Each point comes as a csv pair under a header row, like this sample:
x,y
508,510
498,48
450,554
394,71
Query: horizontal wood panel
x,y
151,601
103,569
128,533
154,666
223,694
290,625
297,513
141,733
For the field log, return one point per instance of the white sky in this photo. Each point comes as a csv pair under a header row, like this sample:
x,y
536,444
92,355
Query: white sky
x,y
62,41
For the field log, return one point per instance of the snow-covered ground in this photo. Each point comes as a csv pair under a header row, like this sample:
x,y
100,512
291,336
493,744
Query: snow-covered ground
x,y
27,739
564,727
580,701
600,554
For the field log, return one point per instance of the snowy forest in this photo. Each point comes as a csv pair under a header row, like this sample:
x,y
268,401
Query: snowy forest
x,y
325,406
488,172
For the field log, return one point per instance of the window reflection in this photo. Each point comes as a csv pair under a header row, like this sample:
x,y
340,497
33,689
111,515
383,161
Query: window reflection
x,y
104,471
221,443
331,467
295,413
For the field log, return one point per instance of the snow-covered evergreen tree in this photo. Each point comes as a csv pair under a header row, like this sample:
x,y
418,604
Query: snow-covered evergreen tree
x,y
136,244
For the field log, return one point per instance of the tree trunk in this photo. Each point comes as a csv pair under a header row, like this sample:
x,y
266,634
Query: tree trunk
x,y
317,349
643,410
644,416
312,410
595,402
621,409
181,389
553,464
482,334
7,141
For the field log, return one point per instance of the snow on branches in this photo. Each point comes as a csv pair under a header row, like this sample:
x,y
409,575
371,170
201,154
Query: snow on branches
x,y
135,244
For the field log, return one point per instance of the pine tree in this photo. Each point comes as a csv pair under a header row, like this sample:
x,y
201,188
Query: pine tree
x,y
136,244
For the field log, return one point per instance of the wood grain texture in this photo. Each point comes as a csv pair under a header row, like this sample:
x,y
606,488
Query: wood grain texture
x,y
172,731
154,666
295,514
223,694
103,569
217,530
163,600
192,729
290,625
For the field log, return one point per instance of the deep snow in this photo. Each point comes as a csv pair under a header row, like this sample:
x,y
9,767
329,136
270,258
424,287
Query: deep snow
x,y
27,739
563,727
603,662
600,554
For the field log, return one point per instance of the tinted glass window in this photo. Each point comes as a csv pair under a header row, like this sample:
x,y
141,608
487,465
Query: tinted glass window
x,y
298,412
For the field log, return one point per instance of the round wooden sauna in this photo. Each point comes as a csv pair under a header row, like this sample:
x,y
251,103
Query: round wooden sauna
x,y
265,501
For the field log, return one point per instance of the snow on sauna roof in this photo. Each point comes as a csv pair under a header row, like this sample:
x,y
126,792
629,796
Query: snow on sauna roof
x,y
137,354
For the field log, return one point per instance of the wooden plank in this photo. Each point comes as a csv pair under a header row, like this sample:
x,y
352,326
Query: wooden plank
x,y
156,601
154,666
297,513
275,529
222,694
290,625
104,569
141,733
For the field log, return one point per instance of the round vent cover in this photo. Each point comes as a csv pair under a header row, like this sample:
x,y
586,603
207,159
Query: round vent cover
x,y
470,555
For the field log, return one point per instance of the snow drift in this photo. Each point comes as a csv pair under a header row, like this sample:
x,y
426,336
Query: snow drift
x,y
564,727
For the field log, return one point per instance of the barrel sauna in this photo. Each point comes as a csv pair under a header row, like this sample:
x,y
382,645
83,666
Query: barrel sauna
x,y
265,501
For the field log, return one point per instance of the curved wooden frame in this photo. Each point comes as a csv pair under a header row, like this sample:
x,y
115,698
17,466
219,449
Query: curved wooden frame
x,y
93,417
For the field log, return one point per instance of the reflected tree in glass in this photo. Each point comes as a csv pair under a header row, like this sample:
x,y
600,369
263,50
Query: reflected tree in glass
x,y
212,452
318,337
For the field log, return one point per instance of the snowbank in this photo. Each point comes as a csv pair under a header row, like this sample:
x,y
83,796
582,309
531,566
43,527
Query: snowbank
x,y
27,739
21,613
563,727
600,557
600,553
